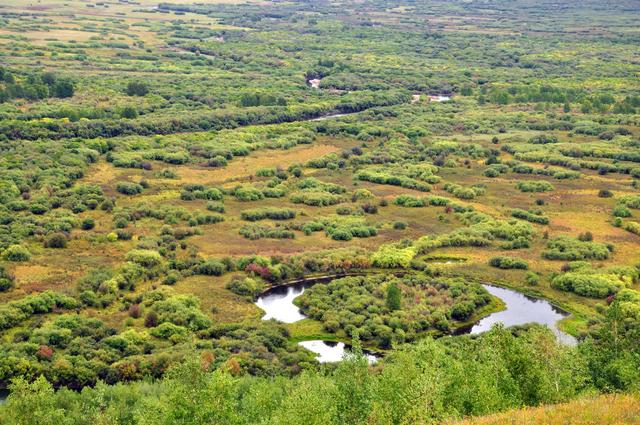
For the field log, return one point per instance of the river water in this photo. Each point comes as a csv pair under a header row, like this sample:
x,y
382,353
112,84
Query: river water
x,y
520,309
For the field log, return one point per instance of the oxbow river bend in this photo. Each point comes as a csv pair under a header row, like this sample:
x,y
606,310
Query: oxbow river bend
x,y
519,309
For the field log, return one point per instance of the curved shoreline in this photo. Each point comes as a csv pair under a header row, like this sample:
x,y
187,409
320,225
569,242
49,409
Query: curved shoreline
x,y
496,306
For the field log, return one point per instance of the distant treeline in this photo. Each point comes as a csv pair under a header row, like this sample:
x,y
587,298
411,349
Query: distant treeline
x,y
214,120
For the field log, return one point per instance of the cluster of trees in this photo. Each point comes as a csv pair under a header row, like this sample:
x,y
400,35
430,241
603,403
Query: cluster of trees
x,y
481,230
430,381
33,86
372,307
581,278
199,121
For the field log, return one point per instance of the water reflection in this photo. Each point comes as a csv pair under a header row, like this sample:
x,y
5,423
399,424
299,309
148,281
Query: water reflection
x,y
328,351
521,310
278,304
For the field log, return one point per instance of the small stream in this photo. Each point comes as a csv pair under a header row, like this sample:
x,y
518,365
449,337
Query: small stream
x,y
521,309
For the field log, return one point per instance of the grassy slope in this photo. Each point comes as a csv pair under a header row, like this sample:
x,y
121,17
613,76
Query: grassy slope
x,y
606,409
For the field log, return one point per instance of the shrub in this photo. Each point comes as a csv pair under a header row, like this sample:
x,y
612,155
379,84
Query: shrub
x,y
137,88
248,193
168,330
129,188
88,223
621,211
315,198
508,263
605,193
255,231
464,192
211,267
7,280
632,226
16,253
409,201
56,240
272,213
246,287
531,216
543,139
571,249
399,225
532,278
588,284
217,161
144,257
216,207
534,186
392,256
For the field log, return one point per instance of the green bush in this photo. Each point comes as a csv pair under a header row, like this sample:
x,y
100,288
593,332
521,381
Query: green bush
x,y
534,186
246,287
543,139
531,216
248,193
211,267
7,280
409,201
144,257
272,213
16,253
571,249
393,256
508,263
56,240
255,231
315,198
129,188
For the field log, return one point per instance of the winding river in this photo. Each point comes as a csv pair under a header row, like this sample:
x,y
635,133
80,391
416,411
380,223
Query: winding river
x,y
519,309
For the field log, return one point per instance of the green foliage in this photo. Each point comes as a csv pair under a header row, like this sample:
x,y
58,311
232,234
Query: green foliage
x,y
531,216
393,256
247,287
272,213
256,231
543,139
534,186
137,88
248,193
144,257
570,249
595,283
393,297
129,188
7,280
315,198
16,253
365,306
182,311
508,263
56,240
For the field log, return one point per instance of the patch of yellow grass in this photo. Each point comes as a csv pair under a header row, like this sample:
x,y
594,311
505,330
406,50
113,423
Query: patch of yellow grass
x,y
602,410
